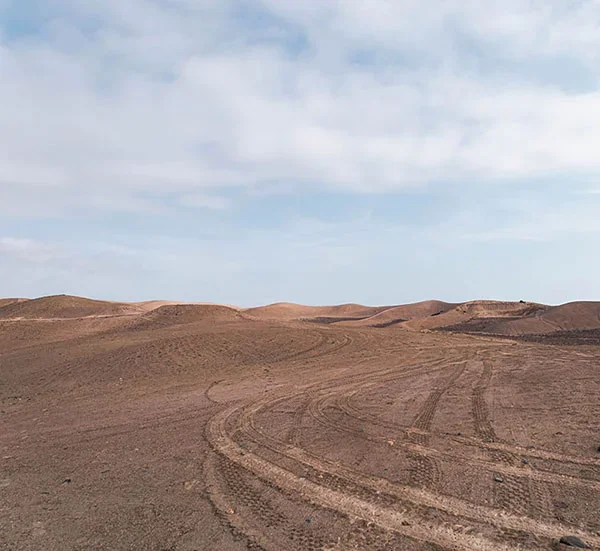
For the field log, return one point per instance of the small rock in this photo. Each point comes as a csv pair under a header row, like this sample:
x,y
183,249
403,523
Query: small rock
x,y
459,434
498,478
307,521
573,541
525,461
598,449
405,523
67,481
560,505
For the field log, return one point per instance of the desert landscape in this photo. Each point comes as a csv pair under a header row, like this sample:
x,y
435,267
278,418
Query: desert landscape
x,y
172,426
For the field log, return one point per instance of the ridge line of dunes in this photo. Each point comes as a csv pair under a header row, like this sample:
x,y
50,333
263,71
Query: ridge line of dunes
x,y
57,307
509,318
287,311
64,307
395,315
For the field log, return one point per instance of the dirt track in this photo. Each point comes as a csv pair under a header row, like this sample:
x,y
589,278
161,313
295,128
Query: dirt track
x,y
254,434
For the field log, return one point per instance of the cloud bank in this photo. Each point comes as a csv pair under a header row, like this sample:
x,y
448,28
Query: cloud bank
x,y
113,105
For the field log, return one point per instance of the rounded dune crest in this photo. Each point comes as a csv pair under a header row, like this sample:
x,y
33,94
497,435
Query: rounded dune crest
x,y
64,307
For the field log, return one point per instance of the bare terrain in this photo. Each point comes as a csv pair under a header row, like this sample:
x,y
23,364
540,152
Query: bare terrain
x,y
431,426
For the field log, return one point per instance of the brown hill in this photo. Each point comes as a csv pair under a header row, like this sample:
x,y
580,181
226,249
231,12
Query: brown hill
x,y
477,315
64,307
394,315
7,301
179,314
573,316
286,311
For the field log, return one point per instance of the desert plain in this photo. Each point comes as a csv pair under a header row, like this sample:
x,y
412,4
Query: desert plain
x,y
170,426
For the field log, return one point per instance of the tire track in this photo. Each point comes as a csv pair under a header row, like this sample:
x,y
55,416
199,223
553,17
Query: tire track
x,y
500,461
426,471
518,494
371,503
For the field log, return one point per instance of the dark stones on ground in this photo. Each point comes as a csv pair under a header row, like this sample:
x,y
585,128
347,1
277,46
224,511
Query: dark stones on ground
x,y
573,541
498,478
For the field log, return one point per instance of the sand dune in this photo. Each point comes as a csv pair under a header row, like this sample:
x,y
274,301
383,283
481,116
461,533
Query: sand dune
x,y
573,316
478,316
177,314
395,315
291,311
64,307
7,301
475,312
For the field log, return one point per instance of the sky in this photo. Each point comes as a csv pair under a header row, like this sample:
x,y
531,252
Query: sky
x,y
315,151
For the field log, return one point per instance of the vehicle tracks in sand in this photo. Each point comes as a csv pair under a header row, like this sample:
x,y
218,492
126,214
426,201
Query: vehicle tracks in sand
x,y
517,493
394,508
426,471
493,456
416,512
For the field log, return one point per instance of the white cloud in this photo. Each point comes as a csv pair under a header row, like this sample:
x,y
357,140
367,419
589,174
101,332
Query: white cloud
x,y
114,102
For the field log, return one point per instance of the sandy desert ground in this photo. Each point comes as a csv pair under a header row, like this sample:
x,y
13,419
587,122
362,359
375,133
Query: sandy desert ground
x,y
164,426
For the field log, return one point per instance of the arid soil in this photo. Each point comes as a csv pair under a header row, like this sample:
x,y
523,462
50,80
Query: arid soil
x,y
204,427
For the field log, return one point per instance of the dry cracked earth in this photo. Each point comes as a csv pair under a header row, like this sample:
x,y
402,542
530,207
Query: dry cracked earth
x,y
130,431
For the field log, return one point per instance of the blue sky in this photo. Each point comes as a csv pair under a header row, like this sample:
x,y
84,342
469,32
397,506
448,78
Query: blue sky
x,y
314,151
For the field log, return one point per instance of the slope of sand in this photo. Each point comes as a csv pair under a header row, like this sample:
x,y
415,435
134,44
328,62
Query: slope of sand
x,y
573,316
474,312
7,301
394,315
177,314
290,311
64,307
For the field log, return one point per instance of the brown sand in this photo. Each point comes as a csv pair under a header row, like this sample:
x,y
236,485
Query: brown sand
x,y
206,428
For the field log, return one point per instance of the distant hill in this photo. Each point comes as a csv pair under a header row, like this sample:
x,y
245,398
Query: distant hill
x,y
395,315
573,316
64,307
503,318
290,311
178,314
